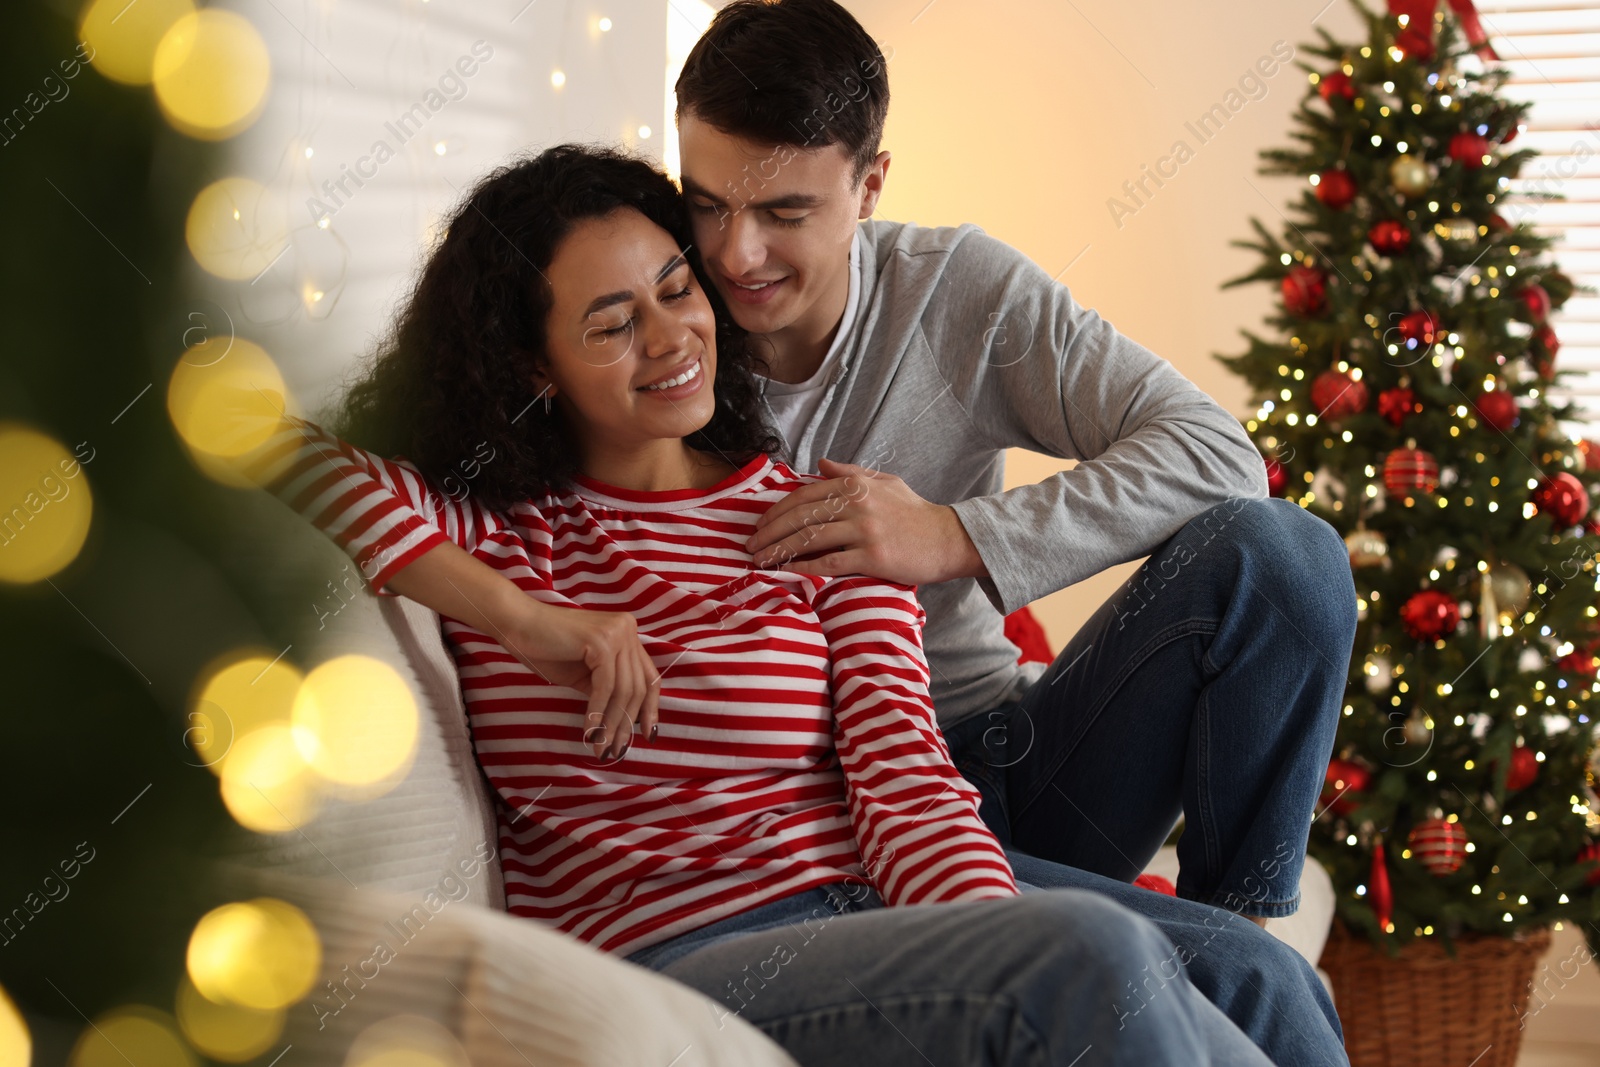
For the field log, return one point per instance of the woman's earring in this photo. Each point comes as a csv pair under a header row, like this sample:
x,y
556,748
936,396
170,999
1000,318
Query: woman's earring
x,y
545,392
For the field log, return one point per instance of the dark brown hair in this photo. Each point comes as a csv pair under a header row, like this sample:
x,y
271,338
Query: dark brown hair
x,y
454,377
795,72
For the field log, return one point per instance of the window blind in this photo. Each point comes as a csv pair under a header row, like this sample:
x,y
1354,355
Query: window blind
x,y
1552,49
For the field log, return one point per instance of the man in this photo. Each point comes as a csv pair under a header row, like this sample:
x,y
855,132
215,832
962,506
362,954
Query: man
x,y
902,361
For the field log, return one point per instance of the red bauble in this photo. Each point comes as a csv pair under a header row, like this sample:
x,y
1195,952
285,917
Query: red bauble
x,y
1536,300
1337,83
1395,404
1469,148
1336,395
1578,662
1305,290
1546,339
1430,614
1562,497
1345,783
1416,41
1389,237
1378,889
1498,223
1277,477
1439,846
1524,769
1410,470
1497,409
1420,328
1590,853
1336,188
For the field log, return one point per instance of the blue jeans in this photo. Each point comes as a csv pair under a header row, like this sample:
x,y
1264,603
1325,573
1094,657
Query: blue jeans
x,y
1209,685
1058,977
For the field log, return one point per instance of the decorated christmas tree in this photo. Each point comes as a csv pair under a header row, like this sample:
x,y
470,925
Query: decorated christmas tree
x,y
1405,396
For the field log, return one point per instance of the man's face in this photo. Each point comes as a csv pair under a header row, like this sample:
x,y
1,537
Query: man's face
x,y
773,224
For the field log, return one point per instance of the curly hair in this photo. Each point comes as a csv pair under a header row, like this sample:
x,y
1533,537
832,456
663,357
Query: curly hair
x,y
454,374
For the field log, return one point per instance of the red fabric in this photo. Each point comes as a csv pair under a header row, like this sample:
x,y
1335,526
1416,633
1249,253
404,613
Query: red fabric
x,y
1024,631
1156,884
1421,12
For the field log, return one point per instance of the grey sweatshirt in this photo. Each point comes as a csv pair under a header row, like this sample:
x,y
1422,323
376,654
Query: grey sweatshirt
x,y
962,347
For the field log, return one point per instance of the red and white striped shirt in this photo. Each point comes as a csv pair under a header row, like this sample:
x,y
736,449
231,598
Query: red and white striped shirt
x,y
797,744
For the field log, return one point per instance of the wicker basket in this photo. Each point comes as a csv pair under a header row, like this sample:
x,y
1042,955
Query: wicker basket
x,y
1424,1008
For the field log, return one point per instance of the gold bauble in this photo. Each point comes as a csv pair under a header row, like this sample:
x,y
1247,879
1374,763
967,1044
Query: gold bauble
x,y
1509,584
1409,175
1366,547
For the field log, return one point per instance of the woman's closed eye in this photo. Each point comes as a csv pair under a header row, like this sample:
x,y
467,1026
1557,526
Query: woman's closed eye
x,y
670,298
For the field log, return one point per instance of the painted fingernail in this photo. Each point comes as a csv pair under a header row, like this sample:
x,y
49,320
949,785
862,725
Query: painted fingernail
x,y
654,730
594,735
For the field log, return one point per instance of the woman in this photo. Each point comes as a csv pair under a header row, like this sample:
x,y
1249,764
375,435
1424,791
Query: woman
x,y
594,420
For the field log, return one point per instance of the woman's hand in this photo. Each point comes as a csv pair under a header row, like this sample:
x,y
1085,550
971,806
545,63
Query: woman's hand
x,y
599,654
596,652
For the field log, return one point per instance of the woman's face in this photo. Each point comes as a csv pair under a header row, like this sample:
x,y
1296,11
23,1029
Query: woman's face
x,y
628,315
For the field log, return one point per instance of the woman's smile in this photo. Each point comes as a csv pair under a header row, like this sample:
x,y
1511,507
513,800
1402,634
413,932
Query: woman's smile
x,y
679,384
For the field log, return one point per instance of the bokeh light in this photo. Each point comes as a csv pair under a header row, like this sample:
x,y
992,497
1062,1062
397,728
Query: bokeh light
x,y
239,693
133,1034
211,73
406,1041
122,36
355,721
44,510
231,1033
230,406
235,229
266,785
15,1044
260,953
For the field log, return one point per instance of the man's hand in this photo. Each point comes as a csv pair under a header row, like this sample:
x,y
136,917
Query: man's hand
x,y
863,521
